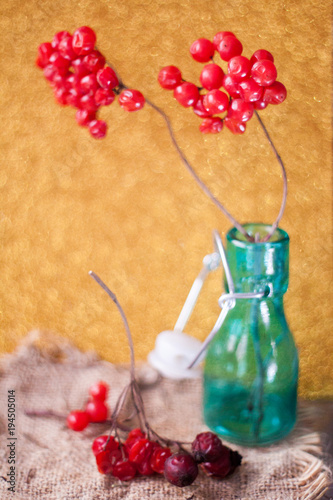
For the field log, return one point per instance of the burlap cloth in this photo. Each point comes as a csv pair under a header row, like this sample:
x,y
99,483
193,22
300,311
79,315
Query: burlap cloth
x,y
53,462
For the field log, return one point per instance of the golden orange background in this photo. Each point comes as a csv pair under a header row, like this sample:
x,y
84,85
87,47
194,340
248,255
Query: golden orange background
x,y
125,206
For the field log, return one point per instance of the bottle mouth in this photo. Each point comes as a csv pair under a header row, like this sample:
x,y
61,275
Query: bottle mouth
x,y
235,237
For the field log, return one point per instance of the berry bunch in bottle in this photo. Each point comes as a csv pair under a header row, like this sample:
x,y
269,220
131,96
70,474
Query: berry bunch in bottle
x,y
226,97
77,72
96,409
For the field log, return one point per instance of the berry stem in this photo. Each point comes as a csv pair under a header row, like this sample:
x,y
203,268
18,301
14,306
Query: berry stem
x,y
284,176
123,316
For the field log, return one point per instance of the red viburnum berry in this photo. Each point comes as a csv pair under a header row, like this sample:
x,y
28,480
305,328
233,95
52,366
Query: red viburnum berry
x,y
107,78
240,110
98,129
187,94
124,470
131,100
94,61
235,126
77,420
45,50
99,390
231,86
260,104
250,90
84,40
84,117
158,459
212,125
261,54
180,469
80,69
169,77
202,50
58,37
229,47
140,453
88,102
207,447
199,108
133,436
107,459
275,93
263,72
96,409
239,68
60,63
65,48
61,96
219,37
104,443
211,76
216,102
104,97
89,83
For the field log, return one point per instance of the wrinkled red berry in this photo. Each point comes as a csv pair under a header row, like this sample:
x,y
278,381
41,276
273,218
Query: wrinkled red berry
x,y
84,39
250,90
107,459
275,94
261,54
199,108
263,72
58,37
141,451
45,50
60,63
77,420
235,126
131,100
206,447
227,463
158,459
94,61
89,84
212,125
65,48
107,78
104,443
239,68
104,97
133,436
180,469
124,470
240,110
88,102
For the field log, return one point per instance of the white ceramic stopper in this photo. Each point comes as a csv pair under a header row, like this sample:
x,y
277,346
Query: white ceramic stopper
x,y
174,351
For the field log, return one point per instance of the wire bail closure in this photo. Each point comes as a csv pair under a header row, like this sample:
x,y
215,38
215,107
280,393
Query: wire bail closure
x,y
227,301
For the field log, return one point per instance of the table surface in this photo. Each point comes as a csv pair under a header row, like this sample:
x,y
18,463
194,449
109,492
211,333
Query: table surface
x,y
324,423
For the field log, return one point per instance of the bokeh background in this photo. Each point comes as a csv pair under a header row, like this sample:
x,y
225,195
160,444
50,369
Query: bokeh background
x,y
126,207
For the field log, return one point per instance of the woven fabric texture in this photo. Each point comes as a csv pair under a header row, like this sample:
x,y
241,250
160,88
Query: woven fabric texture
x,y
55,463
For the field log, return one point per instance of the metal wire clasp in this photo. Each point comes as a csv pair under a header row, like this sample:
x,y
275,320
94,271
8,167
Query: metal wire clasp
x,y
227,301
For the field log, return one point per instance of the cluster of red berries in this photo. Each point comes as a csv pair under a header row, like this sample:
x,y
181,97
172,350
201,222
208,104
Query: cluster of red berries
x,y
80,78
138,455
96,410
250,84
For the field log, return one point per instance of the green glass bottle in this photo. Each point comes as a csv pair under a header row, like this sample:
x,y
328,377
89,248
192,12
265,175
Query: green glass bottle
x,y
251,366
